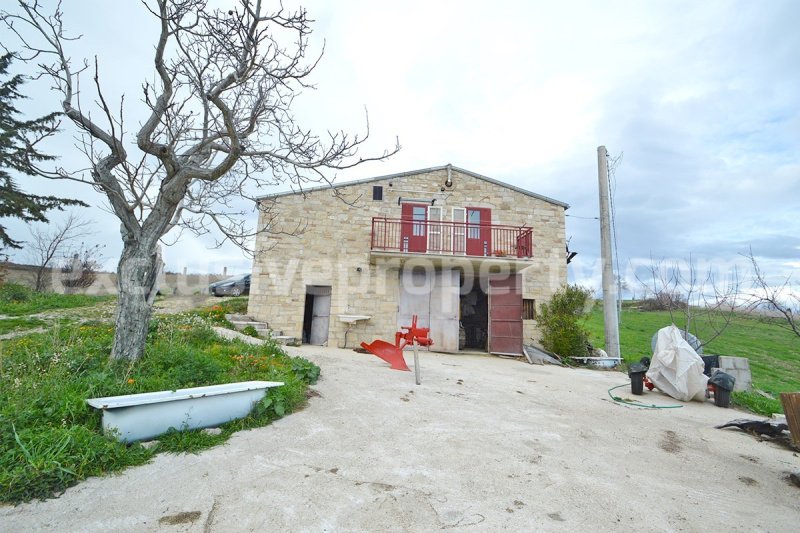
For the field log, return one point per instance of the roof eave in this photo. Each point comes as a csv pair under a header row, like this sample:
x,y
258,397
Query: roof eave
x,y
412,173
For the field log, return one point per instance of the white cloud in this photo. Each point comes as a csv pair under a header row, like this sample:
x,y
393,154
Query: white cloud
x,y
703,99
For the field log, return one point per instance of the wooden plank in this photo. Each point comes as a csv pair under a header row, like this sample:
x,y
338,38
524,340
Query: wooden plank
x,y
791,406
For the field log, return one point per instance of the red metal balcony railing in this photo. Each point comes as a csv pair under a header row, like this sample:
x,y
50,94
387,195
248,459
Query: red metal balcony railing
x,y
452,238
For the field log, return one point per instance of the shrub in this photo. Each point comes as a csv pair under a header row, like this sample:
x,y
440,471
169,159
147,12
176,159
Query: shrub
x,y
664,301
250,331
561,321
13,293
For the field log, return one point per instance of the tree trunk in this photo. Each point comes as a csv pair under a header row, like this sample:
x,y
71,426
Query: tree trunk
x,y
40,278
136,278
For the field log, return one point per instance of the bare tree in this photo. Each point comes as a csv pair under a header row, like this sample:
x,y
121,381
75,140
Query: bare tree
x,y
691,298
219,125
49,243
780,298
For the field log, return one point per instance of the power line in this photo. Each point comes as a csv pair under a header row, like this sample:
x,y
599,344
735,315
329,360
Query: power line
x,y
584,218
612,191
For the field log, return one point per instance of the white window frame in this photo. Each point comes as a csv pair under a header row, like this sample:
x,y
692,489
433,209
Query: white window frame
x,y
459,233
435,230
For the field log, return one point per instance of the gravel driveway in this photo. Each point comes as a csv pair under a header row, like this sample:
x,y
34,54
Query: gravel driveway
x,y
484,444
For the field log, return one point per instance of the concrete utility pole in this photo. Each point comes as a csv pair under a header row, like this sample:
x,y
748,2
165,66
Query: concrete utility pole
x,y
610,318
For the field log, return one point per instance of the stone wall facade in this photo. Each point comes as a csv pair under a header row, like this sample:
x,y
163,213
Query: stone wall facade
x,y
322,237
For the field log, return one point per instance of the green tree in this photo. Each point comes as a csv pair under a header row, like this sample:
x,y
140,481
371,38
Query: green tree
x,y
18,153
561,321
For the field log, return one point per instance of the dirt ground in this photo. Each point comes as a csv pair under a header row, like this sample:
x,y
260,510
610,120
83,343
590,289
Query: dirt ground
x,y
180,304
484,444
104,311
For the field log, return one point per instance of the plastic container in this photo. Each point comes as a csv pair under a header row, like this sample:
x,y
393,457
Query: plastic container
x,y
637,382
722,397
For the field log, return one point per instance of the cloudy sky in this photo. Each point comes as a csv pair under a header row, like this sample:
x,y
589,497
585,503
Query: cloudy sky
x,y
700,98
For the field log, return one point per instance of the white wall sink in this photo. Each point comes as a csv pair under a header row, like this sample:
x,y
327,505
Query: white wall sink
x,y
144,416
352,319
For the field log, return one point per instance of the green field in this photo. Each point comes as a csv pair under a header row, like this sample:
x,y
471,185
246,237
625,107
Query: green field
x,y
774,352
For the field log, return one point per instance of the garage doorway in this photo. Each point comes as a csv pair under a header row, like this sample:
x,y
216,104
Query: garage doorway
x,y
317,314
505,315
433,297
474,331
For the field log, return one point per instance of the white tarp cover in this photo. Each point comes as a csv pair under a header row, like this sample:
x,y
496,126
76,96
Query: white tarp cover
x,y
676,369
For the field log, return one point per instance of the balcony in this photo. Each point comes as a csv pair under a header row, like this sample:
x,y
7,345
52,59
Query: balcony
x,y
451,239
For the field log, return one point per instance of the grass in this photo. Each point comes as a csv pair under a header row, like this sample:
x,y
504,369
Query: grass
x,y
8,325
51,439
773,352
18,300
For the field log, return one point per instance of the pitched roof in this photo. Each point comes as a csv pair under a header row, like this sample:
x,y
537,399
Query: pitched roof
x,y
414,172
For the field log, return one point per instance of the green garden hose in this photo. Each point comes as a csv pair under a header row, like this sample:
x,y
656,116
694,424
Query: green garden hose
x,y
638,404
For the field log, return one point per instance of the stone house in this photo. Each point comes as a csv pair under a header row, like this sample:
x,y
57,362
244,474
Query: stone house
x,y
471,256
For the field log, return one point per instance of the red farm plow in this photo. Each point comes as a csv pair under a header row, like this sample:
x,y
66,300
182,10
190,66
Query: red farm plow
x,y
393,353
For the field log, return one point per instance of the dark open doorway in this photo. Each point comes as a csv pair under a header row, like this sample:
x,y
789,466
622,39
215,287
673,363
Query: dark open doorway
x,y
307,315
316,314
474,331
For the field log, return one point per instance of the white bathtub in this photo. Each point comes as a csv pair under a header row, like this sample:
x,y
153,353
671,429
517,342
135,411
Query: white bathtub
x,y
143,416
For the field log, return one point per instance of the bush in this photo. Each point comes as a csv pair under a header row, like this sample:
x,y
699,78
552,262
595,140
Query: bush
x,y
561,321
664,301
12,293
250,331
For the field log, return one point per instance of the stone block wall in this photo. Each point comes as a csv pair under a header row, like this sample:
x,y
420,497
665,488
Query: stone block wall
x,y
739,368
322,237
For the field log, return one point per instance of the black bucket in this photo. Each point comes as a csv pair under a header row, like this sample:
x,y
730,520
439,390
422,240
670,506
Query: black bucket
x,y
637,382
722,397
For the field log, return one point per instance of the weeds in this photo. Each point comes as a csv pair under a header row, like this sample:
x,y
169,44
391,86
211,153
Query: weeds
x,y
51,439
250,331
17,300
16,324
755,402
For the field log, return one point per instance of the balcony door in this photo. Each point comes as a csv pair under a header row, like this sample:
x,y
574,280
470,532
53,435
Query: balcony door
x,y
414,231
435,230
459,238
479,231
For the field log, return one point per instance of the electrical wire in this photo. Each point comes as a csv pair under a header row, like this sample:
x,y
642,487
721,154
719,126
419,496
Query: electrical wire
x,y
612,191
584,218
636,403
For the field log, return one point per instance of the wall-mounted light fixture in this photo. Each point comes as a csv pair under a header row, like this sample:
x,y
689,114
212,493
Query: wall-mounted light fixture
x,y
449,182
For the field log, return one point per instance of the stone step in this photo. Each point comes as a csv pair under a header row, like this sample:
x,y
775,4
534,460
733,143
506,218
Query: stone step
x,y
262,328
242,321
257,325
231,334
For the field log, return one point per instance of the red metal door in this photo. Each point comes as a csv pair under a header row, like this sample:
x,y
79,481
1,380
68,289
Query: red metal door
x,y
479,231
414,228
505,315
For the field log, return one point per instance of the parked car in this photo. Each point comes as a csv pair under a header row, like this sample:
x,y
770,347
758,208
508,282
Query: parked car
x,y
231,287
